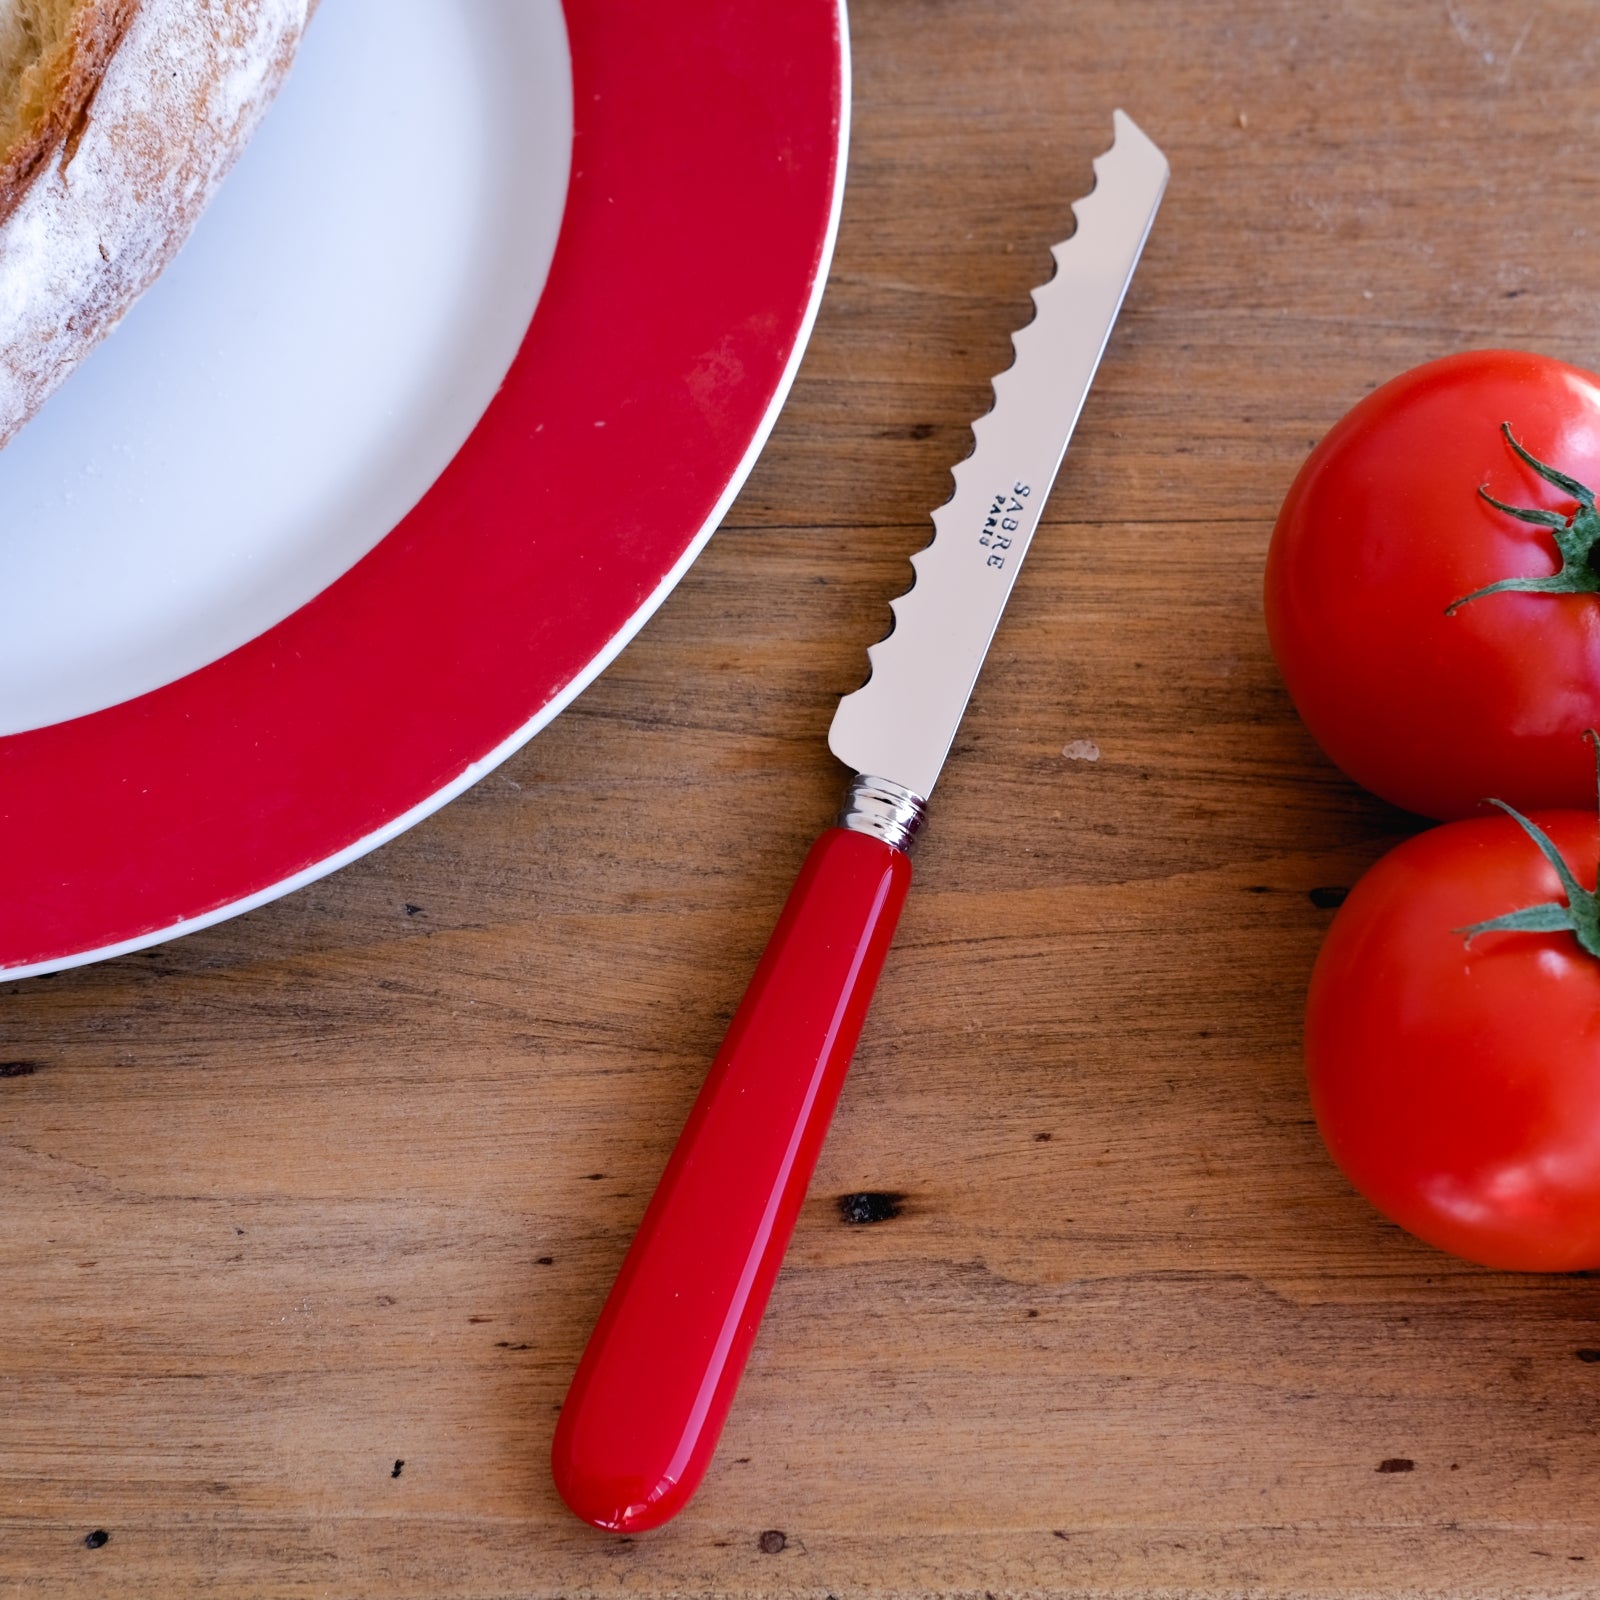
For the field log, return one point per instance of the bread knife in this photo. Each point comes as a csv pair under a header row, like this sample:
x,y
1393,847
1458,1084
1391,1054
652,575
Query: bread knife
x,y
654,1384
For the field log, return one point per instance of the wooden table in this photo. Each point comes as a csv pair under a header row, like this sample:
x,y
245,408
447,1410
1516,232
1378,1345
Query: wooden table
x,y
306,1217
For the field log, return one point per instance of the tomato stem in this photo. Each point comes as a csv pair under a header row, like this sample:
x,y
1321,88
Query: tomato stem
x,y
1575,535
1580,916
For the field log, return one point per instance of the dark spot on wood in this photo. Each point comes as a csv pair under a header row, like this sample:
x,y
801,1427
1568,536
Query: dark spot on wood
x,y
398,1468
386,1300
413,911
19,1069
96,1539
506,1344
1455,1466
1396,1464
771,1542
1258,888
1514,294
546,1261
480,1319
1328,898
238,1233
741,1461
1590,1356
1041,1138
920,430
1032,1313
1058,1533
593,1177
869,1206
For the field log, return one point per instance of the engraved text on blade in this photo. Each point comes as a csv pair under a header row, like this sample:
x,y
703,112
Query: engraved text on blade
x,y
1002,523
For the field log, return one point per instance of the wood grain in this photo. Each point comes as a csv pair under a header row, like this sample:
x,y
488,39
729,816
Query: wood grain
x,y
340,1185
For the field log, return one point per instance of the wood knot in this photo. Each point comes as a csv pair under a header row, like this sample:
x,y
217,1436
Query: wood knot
x,y
857,1210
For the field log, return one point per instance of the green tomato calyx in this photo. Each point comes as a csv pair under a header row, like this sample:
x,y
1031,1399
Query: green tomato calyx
x,y
1580,916
1576,536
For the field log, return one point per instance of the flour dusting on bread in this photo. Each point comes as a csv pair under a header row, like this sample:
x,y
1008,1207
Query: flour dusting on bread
x,y
120,190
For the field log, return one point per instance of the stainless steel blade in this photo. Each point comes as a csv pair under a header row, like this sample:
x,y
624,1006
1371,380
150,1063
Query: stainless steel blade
x,y
900,724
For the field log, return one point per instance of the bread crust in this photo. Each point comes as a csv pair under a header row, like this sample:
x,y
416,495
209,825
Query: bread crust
x,y
158,99
70,75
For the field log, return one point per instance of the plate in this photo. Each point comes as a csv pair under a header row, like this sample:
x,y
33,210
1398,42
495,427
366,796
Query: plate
x,y
455,379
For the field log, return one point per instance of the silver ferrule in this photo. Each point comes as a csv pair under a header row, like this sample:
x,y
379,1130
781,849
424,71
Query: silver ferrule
x,y
885,810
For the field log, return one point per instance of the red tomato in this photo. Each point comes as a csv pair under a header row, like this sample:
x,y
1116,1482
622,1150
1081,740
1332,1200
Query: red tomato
x,y
1384,529
1458,1084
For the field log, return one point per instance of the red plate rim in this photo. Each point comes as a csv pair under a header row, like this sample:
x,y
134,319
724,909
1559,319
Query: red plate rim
x,y
708,166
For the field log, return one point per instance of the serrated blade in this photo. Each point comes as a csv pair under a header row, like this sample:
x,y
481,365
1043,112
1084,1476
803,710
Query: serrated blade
x,y
900,724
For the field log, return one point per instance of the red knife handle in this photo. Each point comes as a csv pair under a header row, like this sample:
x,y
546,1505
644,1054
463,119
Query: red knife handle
x,y
653,1388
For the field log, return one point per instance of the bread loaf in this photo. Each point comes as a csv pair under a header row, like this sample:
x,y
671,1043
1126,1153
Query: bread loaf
x,y
118,119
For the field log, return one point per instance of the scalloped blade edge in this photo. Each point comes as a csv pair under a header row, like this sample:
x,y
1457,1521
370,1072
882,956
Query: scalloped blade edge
x,y
899,725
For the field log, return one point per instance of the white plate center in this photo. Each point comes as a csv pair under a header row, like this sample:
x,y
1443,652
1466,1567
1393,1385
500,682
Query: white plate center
x,y
307,367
